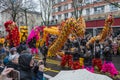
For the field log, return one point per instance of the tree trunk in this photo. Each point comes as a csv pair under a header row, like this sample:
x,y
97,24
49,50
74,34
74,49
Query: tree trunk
x,y
26,17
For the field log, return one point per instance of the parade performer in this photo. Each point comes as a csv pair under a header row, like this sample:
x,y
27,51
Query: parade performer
x,y
106,31
97,61
2,40
108,66
13,33
69,26
67,57
88,61
33,39
76,56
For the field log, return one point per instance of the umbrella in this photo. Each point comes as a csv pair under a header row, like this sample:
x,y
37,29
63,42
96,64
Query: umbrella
x,y
80,74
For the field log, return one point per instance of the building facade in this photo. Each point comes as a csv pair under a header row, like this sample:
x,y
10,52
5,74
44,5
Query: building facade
x,y
94,11
33,19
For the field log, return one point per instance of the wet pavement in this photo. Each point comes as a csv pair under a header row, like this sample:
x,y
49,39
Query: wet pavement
x,y
116,61
53,66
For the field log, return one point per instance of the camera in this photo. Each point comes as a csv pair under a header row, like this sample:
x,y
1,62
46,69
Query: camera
x,y
14,74
40,63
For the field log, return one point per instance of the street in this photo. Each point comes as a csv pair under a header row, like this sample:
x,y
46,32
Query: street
x,y
53,66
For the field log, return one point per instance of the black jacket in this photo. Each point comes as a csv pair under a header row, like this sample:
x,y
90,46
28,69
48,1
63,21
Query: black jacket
x,y
88,59
25,69
12,65
107,54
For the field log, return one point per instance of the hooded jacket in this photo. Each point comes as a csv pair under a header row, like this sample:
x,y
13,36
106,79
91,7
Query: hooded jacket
x,y
24,64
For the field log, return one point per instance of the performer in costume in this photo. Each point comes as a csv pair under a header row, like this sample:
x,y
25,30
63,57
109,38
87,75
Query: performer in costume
x,y
97,61
108,66
76,57
88,60
2,40
13,33
67,57
33,39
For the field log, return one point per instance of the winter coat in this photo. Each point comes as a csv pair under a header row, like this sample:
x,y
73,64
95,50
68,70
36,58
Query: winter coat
x,y
26,72
24,65
12,65
107,54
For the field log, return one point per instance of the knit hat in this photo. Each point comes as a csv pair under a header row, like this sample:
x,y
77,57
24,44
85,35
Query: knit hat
x,y
13,49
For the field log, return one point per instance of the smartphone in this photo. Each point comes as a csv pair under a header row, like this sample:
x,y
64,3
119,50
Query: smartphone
x,y
14,74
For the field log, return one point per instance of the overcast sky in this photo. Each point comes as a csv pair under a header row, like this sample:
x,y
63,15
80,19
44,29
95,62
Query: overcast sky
x,y
38,7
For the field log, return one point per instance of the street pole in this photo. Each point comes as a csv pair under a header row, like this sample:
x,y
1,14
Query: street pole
x,y
94,34
26,17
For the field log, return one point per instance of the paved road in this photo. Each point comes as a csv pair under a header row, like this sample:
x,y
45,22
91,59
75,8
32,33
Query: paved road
x,y
53,66
116,61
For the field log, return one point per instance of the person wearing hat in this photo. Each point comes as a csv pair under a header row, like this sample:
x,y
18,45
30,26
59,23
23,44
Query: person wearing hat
x,y
28,70
108,66
12,60
67,57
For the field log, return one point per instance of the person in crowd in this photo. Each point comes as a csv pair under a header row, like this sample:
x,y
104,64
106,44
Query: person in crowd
x,y
118,51
12,59
1,66
108,66
13,51
76,56
88,60
44,51
67,57
115,47
2,52
97,62
27,70
83,46
21,47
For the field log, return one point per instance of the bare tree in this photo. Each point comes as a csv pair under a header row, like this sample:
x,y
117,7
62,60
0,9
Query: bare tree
x,y
113,2
78,7
12,7
28,5
45,10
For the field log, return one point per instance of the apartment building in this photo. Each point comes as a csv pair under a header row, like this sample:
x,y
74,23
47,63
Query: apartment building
x,y
94,11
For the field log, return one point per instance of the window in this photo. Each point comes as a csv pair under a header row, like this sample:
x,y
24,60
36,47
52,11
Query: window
x,y
72,14
59,1
56,9
87,1
53,2
97,1
62,0
66,7
99,9
59,8
87,11
53,17
66,15
113,7
59,17
53,10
